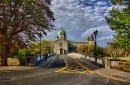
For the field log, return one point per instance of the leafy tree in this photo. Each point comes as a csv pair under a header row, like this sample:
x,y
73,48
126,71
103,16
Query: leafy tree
x,y
114,52
91,50
22,53
82,49
45,47
32,49
20,23
119,21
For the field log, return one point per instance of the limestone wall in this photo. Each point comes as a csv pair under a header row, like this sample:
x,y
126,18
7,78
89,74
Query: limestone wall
x,y
16,61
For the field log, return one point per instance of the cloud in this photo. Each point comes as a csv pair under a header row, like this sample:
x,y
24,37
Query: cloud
x,y
104,32
101,3
79,18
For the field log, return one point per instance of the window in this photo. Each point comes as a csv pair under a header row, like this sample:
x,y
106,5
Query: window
x,y
61,44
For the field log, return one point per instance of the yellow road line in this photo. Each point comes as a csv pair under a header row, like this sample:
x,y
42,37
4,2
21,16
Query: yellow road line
x,y
73,72
92,72
106,76
112,77
63,67
84,67
51,60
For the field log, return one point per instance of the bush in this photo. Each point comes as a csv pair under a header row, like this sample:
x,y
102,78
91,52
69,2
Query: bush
x,y
124,65
82,49
15,56
113,52
124,62
22,53
91,50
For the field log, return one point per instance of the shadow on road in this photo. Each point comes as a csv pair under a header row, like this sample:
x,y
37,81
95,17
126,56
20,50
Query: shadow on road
x,y
58,62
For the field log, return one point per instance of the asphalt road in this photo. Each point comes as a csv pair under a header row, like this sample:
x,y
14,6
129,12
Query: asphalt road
x,y
56,73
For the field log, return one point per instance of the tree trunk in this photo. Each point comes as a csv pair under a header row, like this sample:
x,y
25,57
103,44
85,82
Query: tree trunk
x,y
0,60
4,54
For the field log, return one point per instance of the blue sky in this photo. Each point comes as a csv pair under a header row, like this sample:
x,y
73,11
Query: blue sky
x,y
80,18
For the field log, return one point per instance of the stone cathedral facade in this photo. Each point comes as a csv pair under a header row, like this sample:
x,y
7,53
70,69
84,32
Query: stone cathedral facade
x,y
63,46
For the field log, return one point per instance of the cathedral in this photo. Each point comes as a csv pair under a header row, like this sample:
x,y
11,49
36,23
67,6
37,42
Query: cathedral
x,y
63,46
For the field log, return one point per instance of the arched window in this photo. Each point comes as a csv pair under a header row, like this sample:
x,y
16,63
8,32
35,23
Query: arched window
x,y
61,44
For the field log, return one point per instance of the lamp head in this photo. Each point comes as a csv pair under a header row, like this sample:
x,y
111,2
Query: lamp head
x,y
40,34
95,32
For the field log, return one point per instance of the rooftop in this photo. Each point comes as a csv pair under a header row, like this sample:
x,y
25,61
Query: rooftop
x,y
78,41
61,32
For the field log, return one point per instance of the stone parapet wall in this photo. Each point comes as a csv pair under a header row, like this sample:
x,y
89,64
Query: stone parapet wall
x,y
29,60
100,60
16,61
106,62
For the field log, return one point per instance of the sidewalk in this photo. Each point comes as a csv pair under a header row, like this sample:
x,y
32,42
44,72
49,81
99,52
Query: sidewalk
x,y
15,68
108,73
113,74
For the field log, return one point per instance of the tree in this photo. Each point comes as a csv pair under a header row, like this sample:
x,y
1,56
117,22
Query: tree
x,y
20,23
112,52
91,50
82,49
22,53
45,47
119,21
33,49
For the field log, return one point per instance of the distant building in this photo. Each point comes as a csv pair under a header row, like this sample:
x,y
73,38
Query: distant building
x,y
63,46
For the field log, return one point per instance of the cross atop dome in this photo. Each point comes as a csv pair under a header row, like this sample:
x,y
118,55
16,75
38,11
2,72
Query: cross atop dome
x,y
61,28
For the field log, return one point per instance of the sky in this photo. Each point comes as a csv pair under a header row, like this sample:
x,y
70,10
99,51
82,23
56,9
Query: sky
x,y
80,18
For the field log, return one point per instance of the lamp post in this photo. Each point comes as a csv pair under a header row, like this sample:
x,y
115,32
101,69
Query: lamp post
x,y
49,49
40,35
95,43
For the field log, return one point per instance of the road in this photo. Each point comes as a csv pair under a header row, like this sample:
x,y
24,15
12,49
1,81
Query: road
x,y
62,70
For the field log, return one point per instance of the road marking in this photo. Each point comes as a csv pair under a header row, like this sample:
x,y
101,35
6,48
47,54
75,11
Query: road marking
x,y
84,67
112,77
103,75
52,60
64,69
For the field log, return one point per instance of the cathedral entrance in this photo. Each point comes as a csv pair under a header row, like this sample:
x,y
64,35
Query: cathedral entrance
x,y
61,51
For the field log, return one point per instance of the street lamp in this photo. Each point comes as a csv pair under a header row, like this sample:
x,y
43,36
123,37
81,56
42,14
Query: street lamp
x,y
95,43
49,48
40,35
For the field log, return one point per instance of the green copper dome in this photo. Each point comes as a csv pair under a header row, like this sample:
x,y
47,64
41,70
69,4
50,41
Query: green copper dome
x,y
61,34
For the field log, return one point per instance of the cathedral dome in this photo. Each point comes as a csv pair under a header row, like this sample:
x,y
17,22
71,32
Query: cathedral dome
x,y
61,34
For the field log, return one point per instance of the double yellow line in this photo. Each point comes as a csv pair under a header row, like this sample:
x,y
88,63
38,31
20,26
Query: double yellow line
x,y
74,72
104,75
90,71
64,67
93,72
